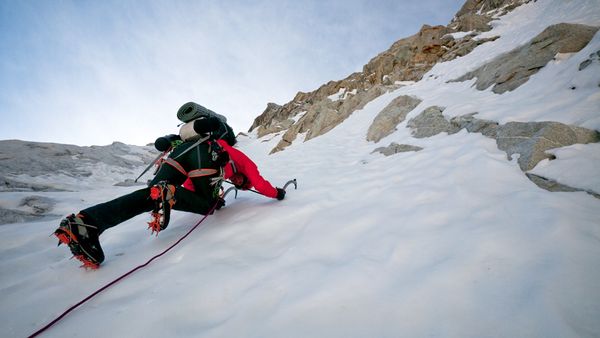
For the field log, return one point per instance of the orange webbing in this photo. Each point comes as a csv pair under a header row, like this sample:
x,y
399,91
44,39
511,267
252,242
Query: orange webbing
x,y
202,172
176,165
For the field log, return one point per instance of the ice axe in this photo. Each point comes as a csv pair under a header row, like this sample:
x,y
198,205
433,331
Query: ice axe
x,y
234,189
155,161
292,181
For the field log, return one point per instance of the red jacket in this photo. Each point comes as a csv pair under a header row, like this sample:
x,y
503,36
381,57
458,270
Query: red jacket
x,y
244,165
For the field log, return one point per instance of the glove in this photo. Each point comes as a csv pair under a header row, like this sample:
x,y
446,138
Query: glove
x,y
240,181
206,125
280,194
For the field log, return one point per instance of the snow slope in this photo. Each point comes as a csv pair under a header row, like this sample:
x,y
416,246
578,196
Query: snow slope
x,y
450,241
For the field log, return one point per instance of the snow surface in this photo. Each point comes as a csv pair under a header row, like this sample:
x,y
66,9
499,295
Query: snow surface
x,y
450,241
337,96
583,157
459,35
343,94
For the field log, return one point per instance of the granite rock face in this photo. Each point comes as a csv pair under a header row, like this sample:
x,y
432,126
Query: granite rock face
x,y
321,116
531,139
431,122
325,108
394,113
509,71
408,59
395,148
551,185
475,125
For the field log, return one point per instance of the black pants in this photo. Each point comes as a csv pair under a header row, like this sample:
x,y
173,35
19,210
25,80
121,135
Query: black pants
x,y
111,213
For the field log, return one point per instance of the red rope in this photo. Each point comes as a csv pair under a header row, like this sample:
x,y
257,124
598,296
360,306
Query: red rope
x,y
121,278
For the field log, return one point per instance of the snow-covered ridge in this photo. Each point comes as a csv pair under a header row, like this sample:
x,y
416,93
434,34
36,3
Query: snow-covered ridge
x,y
37,166
34,167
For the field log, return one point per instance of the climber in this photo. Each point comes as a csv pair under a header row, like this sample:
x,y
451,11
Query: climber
x,y
197,154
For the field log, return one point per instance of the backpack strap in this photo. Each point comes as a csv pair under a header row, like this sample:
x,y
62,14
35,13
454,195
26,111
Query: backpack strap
x,y
202,172
192,146
175,165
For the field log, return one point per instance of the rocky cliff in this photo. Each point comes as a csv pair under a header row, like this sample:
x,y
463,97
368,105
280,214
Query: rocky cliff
x,y
408,60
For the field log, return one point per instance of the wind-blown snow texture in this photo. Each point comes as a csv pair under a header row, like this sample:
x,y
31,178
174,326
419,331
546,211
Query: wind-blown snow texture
x,y
450,241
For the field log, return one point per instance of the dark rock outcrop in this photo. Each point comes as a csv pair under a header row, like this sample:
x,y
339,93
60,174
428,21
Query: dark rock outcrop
x,y
509,71
395,148
552,185
594,57
475,125
531,139
475,15
431,122
528,140
393,114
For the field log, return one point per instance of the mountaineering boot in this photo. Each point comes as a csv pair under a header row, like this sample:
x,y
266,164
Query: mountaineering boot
x,y
82,239
163,195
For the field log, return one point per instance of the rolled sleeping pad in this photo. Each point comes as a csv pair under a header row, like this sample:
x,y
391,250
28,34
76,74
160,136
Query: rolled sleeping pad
x,y
191,111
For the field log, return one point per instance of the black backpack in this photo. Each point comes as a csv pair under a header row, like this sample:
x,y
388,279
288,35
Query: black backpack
x,y
192,111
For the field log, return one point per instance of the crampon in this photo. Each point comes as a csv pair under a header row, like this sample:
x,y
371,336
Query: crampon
x,y
163,195
82,240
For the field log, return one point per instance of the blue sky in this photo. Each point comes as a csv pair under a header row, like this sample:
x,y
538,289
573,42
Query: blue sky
x,y
93,72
